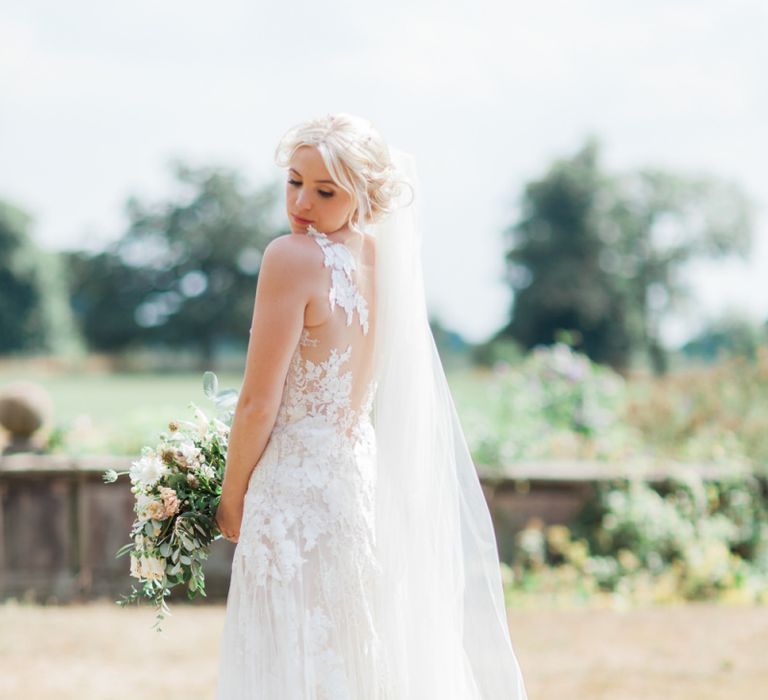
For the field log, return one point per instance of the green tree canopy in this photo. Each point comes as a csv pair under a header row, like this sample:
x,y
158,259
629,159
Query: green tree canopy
x,y
184,271
730,335
602,254
34,314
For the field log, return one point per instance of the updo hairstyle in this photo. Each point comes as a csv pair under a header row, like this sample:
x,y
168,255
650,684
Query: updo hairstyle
x,y
357,159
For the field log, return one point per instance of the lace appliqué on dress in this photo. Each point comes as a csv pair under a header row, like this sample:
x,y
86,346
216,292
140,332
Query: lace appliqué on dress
x,y
305,566
343,290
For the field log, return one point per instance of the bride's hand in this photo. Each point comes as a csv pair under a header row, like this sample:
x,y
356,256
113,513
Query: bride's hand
x,y
228,517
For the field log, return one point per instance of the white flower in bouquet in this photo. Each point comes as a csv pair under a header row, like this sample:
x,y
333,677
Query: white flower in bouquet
x,y
190,454
147,470
150,568
207,471
202,423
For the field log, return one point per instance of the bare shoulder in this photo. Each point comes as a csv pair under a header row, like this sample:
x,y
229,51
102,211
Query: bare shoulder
x,y
292,253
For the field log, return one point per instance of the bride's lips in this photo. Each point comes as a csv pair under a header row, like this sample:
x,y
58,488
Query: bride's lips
x,y
299,220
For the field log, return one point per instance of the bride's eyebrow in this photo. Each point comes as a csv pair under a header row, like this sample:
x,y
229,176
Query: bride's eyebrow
x,y
330,182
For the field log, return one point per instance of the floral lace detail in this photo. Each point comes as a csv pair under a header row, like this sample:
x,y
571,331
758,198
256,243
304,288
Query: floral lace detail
x,y
321,390
316,435
305,569
308,525
343,290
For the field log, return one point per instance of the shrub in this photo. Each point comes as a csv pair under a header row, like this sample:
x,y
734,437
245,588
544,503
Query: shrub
x,y
691,539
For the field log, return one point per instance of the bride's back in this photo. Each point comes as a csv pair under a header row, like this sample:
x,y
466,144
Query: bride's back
x,y
330,376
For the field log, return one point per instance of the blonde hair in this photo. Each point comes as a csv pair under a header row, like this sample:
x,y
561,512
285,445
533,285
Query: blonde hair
x,y
356,157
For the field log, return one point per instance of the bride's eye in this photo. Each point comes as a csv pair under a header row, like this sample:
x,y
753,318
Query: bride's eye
x,y
295,183
323,193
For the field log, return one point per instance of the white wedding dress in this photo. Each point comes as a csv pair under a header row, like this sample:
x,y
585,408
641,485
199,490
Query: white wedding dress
x,y
300,620
367,566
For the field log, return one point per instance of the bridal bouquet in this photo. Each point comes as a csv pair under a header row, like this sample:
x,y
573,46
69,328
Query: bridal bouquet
x,y
177,486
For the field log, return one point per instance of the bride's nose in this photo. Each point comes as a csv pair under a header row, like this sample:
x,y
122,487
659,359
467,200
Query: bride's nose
x,y
302,200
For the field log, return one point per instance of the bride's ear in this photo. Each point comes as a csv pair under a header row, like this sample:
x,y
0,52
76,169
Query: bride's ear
x,y
353,212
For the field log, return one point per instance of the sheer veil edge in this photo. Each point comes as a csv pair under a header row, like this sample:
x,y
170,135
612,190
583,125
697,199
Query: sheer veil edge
x,y
440,603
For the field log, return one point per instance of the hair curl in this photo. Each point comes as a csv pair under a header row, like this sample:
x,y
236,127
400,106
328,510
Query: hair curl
x,y
357,159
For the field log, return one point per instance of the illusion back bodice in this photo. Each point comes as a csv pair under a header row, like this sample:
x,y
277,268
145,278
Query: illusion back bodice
x,y
330,376
305,565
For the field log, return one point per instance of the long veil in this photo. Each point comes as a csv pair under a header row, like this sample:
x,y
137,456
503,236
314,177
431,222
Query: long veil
x,y
443,621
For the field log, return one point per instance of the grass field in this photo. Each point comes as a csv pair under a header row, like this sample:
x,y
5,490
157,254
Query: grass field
x,y
101,652
120,412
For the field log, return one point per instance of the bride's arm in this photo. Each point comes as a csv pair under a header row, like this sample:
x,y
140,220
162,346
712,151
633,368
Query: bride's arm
x,y
289,268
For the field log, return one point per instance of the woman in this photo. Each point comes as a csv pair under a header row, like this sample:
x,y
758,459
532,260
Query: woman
x,y
366,564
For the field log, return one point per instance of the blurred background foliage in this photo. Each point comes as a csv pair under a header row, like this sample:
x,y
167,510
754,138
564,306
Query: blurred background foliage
x,y
35,314
595,263
601,254
183,274
690,539
594,254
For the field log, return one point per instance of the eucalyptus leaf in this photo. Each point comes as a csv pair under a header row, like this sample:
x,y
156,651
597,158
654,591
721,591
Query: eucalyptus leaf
x,y
210,385
227,398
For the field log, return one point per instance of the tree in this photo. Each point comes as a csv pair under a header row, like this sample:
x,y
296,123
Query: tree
x,y
184,271
727,336
657,223
554,264
34,315
602,254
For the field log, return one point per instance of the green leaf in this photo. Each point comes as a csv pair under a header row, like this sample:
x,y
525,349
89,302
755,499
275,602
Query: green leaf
x,y
227,398
124,549
210,385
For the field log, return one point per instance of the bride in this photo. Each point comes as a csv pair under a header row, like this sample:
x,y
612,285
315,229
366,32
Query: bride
x,y
366,565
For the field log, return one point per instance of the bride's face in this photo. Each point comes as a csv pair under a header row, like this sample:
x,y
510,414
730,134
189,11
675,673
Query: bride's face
x,y
311,196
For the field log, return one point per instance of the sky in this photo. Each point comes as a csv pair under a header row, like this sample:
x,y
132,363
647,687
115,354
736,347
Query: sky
x,y
96,99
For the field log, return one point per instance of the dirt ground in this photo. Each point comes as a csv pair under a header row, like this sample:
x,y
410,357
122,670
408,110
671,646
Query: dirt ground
x,y
103,652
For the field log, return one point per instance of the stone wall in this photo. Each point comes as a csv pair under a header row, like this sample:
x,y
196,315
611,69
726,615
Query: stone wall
x,y
60,524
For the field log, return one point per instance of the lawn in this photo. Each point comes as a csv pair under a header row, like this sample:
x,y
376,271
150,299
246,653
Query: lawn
x,y
99,651
118,413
